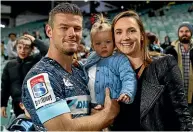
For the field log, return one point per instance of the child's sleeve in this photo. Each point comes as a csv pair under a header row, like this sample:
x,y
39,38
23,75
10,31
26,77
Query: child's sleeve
x,y
127,77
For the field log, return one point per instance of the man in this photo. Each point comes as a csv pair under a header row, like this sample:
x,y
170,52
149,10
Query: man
x,y
12,54
55,92
182,49
16,69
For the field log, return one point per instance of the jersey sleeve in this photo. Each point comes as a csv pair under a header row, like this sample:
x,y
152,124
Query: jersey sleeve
x,y
43,97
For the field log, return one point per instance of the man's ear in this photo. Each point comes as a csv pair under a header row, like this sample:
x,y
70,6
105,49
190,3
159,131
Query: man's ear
x,y
48,30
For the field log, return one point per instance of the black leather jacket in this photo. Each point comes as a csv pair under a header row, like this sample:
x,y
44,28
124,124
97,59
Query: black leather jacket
x,y
15,71
160,103
163,102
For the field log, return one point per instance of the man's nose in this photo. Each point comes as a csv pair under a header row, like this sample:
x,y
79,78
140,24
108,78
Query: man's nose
x,y
71,32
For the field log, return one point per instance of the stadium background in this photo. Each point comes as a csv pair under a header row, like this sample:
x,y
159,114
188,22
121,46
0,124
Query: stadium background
x,y
159,17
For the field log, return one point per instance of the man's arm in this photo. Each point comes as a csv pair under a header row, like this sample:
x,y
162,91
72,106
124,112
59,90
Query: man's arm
x,y
94,122
43,47
5,90
5,86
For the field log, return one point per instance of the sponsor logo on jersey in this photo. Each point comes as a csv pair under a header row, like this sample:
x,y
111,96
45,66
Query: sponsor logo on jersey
x,y
79,104
40,90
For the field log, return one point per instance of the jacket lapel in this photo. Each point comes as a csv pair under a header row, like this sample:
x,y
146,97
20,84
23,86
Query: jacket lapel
x,y
149,94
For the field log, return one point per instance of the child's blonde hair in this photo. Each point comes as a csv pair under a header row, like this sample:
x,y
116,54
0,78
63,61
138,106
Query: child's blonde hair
x,y
102,24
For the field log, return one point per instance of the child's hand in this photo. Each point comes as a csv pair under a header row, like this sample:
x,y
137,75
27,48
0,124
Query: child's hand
x,y
124,98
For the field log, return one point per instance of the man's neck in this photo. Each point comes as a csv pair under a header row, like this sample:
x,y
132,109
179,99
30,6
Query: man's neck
x,y
64,60
186,46
12,40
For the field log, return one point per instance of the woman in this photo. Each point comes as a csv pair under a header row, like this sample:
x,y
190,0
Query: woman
x,y
153,43
160,102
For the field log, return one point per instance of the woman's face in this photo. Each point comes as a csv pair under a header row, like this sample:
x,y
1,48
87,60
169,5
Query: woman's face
x,y
128,36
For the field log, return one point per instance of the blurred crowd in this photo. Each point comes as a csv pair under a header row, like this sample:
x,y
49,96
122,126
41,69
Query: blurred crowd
x,y
21,53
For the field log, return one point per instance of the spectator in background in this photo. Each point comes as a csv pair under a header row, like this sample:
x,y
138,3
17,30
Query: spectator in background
x,y
92,18
3,52
25,33
37,35
182,50
153,45
82,52
23,122
190,9
166,43
12,54
2,48
16,69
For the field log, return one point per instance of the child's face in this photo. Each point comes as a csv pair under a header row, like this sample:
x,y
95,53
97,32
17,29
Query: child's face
x,y
103,43
24,49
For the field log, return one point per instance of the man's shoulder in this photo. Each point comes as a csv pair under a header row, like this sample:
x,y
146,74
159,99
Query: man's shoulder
x,y
43,66
12,62
175,43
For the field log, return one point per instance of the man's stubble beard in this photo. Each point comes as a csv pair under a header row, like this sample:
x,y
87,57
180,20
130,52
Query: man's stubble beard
x,y
185,40
69,53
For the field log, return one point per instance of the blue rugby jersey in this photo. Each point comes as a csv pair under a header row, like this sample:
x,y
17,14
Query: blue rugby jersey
x,y
49,90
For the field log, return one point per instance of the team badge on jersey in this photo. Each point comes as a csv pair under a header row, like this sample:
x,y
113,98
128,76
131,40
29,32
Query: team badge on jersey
x,y
67,82
40,90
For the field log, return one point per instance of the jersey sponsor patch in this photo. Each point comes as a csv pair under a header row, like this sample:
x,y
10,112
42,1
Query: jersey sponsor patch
x,y
79,104
40,90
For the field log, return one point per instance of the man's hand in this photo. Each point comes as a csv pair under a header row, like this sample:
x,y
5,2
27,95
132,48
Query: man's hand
x,y
30,37
111,106
3,112
96,109
124,98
